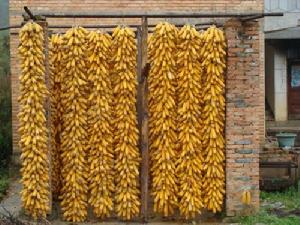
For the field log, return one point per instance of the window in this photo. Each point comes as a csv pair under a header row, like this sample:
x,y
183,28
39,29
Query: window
x,y
295,76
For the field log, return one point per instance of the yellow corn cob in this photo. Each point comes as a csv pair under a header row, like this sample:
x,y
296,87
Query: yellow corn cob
x,y
74,134
246,197
33,131
101,157
213,116
162,117
127,156
56,67
190,162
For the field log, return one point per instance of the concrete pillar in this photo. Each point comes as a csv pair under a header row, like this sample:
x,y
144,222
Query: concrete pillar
x,y
269,76
280,85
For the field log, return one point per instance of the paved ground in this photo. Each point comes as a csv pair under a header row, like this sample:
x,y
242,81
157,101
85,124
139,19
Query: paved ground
x,y
12,204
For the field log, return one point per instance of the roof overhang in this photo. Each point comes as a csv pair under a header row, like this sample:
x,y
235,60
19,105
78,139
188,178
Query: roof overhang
x,y
287,33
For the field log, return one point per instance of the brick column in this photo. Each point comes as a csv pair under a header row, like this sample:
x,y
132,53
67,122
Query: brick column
x,y
15,70
244,128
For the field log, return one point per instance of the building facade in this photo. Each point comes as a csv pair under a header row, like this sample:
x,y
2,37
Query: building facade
x,y
282,60
244,79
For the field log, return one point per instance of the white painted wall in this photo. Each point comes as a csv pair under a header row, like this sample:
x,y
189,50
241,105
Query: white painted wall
x,y
269,75
291,10
288,20
276,82
280,77
276,77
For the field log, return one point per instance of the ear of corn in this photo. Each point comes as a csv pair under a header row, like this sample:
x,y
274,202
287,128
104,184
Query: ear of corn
x,y
186,122
127,156
101,157
190,162
246,197
56,68
213,116
162,117
74,134
33,131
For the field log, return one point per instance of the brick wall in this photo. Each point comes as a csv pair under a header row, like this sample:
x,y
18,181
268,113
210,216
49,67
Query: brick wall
x,y
245,77
277,154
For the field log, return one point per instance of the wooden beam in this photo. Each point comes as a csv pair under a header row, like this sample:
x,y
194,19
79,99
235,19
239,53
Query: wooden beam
x,y
142,35
44,25
29,13
155,14
139,79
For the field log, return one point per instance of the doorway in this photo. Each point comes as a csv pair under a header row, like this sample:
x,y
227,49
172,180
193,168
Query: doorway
x,y
294,89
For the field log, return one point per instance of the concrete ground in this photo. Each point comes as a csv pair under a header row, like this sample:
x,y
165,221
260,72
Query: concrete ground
x,y
12,204
12,201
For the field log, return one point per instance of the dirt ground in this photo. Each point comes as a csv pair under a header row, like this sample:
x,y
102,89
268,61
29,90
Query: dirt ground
x,y
12,204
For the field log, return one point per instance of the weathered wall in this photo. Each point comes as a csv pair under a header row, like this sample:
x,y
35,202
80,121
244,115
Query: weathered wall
x,y
276,154
244,83
280,86
291,10
285,27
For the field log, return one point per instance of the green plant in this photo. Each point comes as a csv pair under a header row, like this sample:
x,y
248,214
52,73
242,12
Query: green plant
x,y
4,182
5,101
290,199
263,217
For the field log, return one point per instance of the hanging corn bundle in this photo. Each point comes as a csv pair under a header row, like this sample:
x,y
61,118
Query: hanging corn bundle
x,y
162,117
32,122
101,157
190,162
56,68
127,156
213,116
74,137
